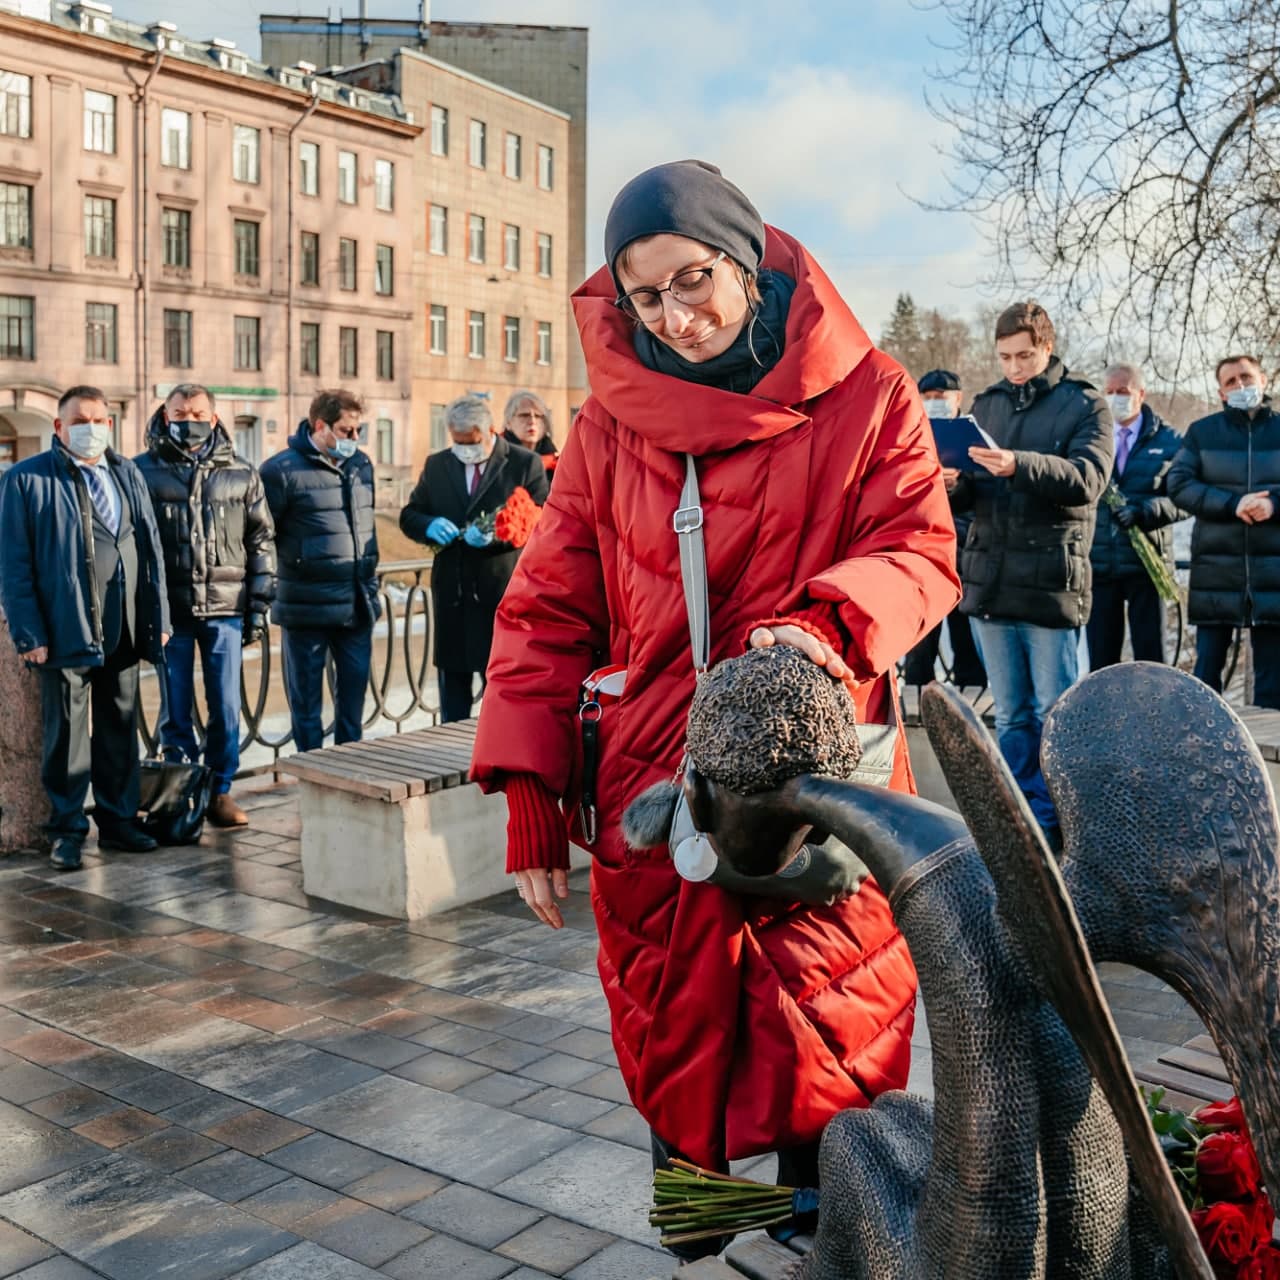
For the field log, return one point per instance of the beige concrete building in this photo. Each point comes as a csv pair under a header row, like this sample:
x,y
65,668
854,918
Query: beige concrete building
x,y
172,210
528,64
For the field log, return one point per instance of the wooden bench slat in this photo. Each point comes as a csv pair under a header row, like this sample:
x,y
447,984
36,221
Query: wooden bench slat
x,y
1184,1081
1204,1043
1202,1064
373,767
427,758
389,792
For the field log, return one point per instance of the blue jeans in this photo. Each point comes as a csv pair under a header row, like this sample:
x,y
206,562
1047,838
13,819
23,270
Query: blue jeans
x,y
304,658
1028,669
220,643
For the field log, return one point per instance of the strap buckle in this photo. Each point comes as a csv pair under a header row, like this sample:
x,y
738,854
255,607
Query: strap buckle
x,y
687,519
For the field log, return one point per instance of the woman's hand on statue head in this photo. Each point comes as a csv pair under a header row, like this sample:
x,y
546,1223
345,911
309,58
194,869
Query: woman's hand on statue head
x,y
812,648
537,885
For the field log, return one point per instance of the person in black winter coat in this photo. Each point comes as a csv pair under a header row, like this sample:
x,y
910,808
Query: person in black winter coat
x,y
83,590
526,421
220,563
1025,563
1227,474
320,490
1145,447
472,478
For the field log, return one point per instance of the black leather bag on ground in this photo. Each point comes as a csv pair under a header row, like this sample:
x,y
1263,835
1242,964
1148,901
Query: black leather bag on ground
x,y
174,797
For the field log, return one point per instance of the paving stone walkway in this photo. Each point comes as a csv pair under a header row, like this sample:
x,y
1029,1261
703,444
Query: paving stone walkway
x,y
204,1074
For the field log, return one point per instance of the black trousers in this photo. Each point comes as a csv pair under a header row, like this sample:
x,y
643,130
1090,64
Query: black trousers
x,y
1213,644
456,696
1137,594
89,717
967,669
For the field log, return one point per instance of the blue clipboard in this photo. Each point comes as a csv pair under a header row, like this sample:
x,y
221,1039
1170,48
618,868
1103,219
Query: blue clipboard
x,y
955,436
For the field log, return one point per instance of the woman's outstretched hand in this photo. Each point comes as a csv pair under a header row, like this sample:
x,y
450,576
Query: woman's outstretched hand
x,y
812,648
537,885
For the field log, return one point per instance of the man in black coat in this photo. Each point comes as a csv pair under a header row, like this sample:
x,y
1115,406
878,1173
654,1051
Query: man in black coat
x,y
220,563
320,490
1227,474
1025,562
472,478
83,589
1145,447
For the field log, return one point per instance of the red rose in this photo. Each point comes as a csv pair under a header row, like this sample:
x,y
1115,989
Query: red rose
x,y
1222,1115
1226,1233
1262,1215
1227,1167
1263,1265
515,522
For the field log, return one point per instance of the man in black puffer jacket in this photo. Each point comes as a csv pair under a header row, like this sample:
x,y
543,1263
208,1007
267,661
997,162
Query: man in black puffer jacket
x,y
1145,447
321,493
1025,562
1227,474
220,565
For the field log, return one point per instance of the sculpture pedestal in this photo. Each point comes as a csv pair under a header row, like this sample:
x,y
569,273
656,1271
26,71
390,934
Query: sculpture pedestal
x,y
23,804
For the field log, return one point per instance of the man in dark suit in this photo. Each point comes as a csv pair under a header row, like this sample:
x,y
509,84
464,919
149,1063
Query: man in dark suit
x,y
471,479
82,585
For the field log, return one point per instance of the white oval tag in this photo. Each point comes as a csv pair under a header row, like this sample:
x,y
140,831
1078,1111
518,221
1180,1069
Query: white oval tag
x,y
695,859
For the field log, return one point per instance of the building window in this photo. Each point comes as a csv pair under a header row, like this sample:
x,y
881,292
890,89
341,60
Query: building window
x,y
475,334
99,121
15,105
384,269
310,265
386,355
475,237
544,341
511,160
438,330
546,167
309,348
347,177
346,264
176,226
246,239
511,339
438,229
544,253
15,216
177,339
384,185
100,333
439,428
17,328
511,247
245,146
386,442
309,168
479,144
348,352
99,227
248,334
175,138
439,131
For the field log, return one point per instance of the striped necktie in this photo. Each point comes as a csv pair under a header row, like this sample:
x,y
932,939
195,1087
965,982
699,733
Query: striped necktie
x,y
97,483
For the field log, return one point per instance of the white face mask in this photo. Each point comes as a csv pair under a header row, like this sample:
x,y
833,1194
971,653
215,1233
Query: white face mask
x,y
1246,398
88,439
470,454
1122,407
936,408
344,448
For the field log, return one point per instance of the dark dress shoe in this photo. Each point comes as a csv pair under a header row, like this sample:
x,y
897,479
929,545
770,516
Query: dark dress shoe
x,y
65,854
125,839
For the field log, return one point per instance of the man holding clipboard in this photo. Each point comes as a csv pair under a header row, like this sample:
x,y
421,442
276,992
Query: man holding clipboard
x,y
1033,486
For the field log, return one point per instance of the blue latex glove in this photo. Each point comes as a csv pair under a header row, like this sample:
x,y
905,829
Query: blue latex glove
x,y
476,537
441,531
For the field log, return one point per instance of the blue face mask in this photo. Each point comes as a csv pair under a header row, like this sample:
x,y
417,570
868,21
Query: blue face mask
x,y
344,449
1245,397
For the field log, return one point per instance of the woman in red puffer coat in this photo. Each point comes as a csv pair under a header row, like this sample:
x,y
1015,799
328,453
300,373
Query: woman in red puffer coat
x,y
741,1025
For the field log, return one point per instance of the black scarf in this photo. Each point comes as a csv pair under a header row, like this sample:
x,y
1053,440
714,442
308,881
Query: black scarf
x,y
753,353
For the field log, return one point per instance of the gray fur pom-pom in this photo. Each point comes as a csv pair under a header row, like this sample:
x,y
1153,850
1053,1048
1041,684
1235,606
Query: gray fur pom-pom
x,y
646,823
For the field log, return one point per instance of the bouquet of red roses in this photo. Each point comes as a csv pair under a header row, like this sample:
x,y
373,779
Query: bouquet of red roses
x,y
1217,1171
514,521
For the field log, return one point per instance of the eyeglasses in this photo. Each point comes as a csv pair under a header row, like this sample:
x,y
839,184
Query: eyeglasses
x,y
690,287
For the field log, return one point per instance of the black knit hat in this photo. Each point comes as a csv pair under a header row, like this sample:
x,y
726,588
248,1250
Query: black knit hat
x,y
939,380
685,198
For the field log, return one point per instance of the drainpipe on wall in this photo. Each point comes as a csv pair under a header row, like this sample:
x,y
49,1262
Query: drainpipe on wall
x,y
141,270
288,301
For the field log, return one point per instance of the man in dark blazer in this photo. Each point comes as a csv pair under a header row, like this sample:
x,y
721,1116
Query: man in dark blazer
x,y
83,588
472,478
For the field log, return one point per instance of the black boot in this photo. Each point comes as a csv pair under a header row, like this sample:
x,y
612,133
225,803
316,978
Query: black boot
x,y
127,837
65,854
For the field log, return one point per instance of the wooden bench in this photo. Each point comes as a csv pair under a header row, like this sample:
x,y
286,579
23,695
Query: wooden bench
x,y
392,825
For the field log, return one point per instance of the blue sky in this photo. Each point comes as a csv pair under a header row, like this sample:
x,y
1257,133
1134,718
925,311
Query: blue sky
x,y
816,110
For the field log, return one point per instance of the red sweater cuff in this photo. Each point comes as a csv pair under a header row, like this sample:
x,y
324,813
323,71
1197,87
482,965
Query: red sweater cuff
x,y
536,833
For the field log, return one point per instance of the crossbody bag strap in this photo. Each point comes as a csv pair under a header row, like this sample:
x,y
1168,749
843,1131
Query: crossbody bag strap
x,y
687,523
